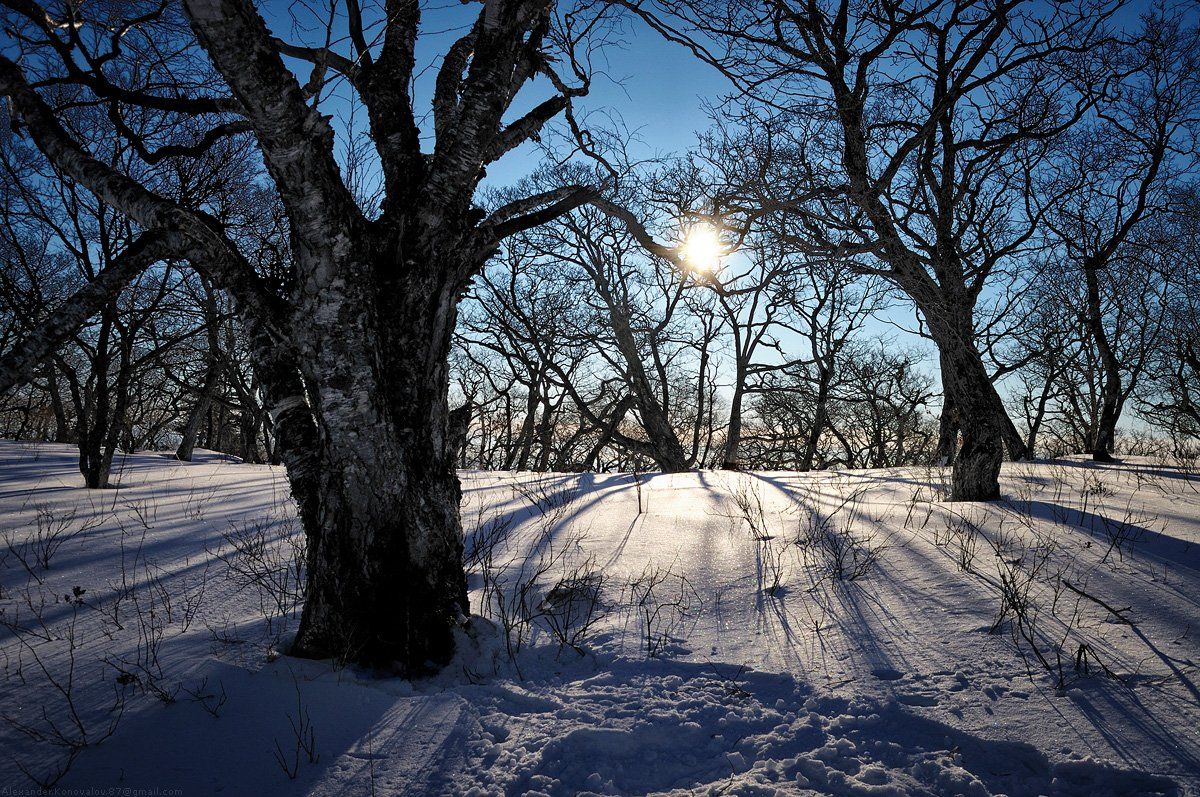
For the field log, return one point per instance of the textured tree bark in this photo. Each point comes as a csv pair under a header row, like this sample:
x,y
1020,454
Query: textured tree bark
x,y
947,442
352,351
977,464
976,405
385,584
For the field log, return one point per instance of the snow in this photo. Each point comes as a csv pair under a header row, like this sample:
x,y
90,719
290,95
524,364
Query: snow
x,y
771,676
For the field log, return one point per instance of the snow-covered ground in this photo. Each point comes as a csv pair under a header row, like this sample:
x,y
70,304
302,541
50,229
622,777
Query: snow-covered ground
x,y
721,653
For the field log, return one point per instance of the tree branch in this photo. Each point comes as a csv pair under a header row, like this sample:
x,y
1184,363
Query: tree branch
x,y
20,363
297,141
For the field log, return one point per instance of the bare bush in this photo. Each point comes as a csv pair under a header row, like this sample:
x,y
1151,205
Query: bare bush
x,y
747,497
1095,485
960,535
482,546
1123,532
772,558
268,555
832,543
64,723
52,529
211,700
937,476
663,601
573,606
520,584
151,619
1053,634
549,496
303,746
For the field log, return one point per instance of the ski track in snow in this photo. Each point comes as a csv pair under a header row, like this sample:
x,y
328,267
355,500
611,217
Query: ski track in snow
x,y
889,684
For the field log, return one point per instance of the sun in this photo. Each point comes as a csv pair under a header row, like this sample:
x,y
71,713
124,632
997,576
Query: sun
x,y
702,249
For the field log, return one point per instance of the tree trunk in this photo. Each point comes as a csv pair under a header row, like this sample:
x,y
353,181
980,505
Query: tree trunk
x,y
1039,413
212,372
526,435
62,429
1013,442
459,428
977,464
973,400
545,434
187,441
733,437
616,416
1110,396
820,418
386,584
94,414
664,445
116,424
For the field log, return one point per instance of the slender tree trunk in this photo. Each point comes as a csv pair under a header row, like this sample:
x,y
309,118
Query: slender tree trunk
x,y
733,437
459,427
1039,413
187,441
1110,396
820,418
664,445
94,414
212,372
250,424
616,416
116,424
526,436
62,428
977,464
1013,442
545,434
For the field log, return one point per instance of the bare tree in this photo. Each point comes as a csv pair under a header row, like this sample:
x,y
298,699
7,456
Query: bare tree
x,y
913,134
1116,174
351,349
640,304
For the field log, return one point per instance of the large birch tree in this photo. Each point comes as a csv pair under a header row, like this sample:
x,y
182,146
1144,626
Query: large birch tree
x,y
351,347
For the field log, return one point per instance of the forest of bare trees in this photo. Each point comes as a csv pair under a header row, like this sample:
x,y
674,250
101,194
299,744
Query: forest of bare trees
x,y
915,234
